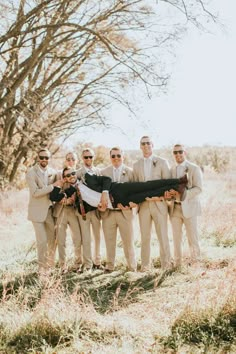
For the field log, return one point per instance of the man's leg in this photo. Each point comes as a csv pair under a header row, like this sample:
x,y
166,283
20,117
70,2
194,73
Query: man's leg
x,y
76,236
61,226
145,222
96,227
192,236
41,242
177,224
109,226
51,238
160,221
125,223
86,241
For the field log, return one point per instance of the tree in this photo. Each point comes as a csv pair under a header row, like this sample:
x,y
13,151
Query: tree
x,y
63,62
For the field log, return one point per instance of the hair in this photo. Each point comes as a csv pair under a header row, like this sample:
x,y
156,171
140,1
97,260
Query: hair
x,y
64,170
87,150
71,153
44,149
179,144
116,148
145,137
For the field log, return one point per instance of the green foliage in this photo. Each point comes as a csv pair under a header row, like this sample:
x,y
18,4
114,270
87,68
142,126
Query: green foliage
x,y
205,328
39,333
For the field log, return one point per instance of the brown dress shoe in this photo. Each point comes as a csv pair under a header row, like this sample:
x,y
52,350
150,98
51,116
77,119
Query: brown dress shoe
x,y
107,271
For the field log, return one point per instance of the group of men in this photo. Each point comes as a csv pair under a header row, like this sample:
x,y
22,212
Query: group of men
x,y
52,209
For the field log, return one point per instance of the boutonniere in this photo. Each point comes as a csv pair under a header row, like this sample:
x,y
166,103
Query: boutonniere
x,y
154,162
123,173
186,170
49,176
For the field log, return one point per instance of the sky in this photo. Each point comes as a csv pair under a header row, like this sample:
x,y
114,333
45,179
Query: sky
x,y
199,107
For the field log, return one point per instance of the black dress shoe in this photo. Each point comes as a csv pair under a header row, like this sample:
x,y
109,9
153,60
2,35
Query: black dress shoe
x,y
107,271
98,266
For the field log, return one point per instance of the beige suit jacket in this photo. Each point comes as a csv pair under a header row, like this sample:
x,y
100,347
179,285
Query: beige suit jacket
x,y
39,201
191,203
81,172
160,170
126,176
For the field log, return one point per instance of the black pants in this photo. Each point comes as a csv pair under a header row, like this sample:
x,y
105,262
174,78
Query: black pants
x,y
137,192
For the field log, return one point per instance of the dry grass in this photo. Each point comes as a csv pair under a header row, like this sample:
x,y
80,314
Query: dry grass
x,y
178,312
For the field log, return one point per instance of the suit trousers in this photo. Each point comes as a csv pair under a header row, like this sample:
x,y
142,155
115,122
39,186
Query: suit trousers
x,y
68,217
177,221
91,221
111,221
45,240
137,192
149,212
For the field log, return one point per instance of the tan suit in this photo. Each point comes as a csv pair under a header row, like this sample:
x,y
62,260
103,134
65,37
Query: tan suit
x,y
66,215
153,211
122,219
92,220
186,213
40,213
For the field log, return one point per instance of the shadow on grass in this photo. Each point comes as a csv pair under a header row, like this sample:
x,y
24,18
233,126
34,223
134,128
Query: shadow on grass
x,y
107,292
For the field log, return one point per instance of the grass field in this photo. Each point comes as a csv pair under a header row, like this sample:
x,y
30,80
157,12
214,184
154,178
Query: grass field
x,y
192,310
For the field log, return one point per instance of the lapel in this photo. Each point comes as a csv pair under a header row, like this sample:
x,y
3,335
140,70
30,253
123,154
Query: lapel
x,y
154,164
110,172
40,175
124,174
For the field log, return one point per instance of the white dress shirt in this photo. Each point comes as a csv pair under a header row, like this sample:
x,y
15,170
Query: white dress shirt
x,y
117,173
181,169
147,167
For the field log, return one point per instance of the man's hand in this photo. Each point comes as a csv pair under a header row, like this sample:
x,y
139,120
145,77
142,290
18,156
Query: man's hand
x,y
100,208
122,207
104,200
58,183
70,200
172,194
155,199
133,205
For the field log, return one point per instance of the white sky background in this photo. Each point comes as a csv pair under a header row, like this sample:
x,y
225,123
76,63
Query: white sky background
x,y
200,105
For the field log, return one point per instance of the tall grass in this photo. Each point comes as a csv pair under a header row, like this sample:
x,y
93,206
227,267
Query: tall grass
x,y
188,310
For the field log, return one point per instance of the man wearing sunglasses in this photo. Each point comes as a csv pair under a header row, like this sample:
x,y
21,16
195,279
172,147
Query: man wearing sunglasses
x,y
92,217
41,181
151,167
185,211
121,219
65,213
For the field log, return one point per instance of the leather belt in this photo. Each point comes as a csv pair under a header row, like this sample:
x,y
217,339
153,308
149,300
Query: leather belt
x,y
178,203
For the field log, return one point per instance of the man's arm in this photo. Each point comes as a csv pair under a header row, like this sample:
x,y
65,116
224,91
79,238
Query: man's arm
x,y
35,190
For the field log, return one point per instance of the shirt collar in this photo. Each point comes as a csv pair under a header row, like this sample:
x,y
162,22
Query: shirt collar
x,y
183,164
148,158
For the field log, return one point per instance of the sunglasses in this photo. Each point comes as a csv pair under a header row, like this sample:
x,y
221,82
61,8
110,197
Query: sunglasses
x,y
70,159
43,158
117,155
143,143
178,152
87,157
70,174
